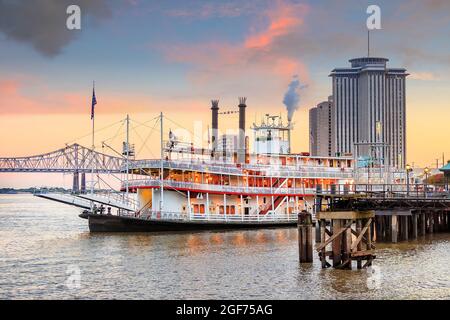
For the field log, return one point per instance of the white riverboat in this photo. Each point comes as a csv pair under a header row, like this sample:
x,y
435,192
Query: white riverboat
x,y
226,185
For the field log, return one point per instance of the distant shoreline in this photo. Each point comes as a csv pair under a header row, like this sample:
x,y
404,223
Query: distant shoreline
x,y
31,190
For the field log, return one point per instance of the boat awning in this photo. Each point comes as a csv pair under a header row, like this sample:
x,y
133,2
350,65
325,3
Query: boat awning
x,y
66,199
446,168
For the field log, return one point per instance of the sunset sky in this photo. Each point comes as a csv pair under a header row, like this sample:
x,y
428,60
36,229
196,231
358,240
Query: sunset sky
x,y
175,56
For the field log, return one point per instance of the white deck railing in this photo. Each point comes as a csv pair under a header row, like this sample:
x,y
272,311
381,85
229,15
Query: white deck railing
x,y
178,216
287,171
219,188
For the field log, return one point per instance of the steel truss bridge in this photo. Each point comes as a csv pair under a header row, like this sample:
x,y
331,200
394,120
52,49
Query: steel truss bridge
x,y
73,158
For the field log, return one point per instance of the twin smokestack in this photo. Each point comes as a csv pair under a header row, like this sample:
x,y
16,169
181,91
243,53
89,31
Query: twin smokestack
x,y
241,144
215,127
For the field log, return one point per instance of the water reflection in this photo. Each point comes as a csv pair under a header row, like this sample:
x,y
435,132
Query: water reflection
x,y
40,239
216,238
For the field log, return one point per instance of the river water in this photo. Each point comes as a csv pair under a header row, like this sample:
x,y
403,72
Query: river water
x,y
47,252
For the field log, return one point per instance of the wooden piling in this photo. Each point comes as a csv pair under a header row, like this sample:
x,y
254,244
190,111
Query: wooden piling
x,y
388,233
447,220
347,245
381,233
305,244
430,222
423,223
323,235
435,217
447,213
344,248
359,246
317,228
394,229
404,228
368,235
414,231
336,243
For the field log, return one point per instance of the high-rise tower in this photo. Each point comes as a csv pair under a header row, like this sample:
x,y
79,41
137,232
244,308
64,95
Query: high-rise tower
x,y
320,125
369,107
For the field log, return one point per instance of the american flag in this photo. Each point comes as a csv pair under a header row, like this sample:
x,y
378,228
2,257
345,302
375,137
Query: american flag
x,y
94,102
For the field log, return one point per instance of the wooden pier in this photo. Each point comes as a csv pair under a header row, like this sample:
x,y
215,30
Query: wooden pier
x,y
349,234
347,226
399,218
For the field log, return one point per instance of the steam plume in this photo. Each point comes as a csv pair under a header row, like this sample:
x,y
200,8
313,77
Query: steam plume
x,y
292,97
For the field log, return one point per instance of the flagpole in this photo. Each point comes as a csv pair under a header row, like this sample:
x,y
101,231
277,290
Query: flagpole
x,y
161,200
93,141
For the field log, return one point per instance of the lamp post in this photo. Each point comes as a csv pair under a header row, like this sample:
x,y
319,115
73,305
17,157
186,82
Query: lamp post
x,y
408,170
426,172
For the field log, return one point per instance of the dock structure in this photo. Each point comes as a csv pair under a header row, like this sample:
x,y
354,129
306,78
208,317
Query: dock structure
x,y
397,218
345,236
349,224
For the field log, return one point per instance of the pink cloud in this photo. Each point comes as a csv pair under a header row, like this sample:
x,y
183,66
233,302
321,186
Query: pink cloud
x,y
8,87
283,20
17,98
27,95
256,56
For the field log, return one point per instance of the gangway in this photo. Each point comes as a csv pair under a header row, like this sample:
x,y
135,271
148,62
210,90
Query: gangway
x,y
66,199
106,201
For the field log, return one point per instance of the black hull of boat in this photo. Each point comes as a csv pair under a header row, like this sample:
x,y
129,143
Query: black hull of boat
x,y
111,223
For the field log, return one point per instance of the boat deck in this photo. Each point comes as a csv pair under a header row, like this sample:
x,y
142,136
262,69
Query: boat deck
x,y
113,223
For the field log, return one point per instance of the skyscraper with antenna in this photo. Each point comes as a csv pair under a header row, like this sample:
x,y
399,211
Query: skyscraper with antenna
x,y
370,107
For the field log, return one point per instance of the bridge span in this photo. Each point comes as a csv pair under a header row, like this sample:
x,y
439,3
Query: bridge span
x,y
73,158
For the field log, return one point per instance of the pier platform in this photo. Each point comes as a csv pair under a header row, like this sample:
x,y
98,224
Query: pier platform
x,y
396,218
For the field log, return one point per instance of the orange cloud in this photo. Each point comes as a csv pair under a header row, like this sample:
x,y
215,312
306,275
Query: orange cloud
x,y
14,99
286,67
283,19
8,87
256,57
26,95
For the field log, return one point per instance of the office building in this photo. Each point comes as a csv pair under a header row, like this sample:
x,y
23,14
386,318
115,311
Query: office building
x,y
369,108
320,129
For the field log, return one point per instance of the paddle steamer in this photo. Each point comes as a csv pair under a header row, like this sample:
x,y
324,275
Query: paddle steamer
x,y
227,185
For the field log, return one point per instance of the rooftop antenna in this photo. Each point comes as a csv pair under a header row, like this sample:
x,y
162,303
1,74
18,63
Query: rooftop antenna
x,y
368,43
94,102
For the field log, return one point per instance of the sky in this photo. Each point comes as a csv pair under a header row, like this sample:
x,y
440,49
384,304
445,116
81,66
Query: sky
x,y
175,56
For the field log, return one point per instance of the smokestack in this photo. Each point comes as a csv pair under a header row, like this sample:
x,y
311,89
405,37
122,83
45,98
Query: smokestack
x,y
241,143
214,125
289,136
